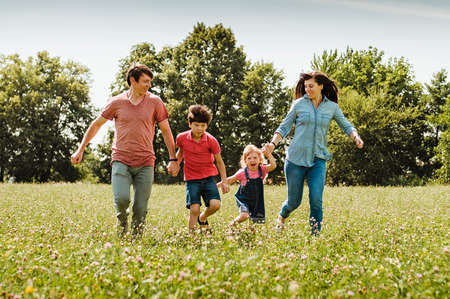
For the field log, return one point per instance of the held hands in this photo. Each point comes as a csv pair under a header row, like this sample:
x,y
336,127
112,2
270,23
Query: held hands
x,y
173,168
224,186
268,149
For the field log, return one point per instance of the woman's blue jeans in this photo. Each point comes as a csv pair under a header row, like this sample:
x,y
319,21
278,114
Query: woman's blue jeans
x,y
295,177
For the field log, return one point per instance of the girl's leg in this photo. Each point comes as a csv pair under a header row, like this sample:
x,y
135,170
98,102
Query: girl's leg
x,y
316,183
295,176
241,218
194,212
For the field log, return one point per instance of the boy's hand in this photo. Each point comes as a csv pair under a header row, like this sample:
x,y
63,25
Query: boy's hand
x,y
224,186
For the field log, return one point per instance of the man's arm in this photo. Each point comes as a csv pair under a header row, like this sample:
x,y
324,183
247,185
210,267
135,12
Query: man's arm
x,y
173,166
90,133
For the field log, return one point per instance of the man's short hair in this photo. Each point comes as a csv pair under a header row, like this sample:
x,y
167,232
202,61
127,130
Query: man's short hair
x,y
200,114
136,70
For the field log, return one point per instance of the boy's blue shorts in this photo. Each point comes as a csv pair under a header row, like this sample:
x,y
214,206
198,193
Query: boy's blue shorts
x,y
203,188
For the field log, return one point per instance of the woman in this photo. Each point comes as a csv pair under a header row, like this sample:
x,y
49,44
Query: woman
x,y
311,113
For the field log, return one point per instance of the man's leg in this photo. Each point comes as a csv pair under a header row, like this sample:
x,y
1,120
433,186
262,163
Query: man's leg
x,y
142,184
121,181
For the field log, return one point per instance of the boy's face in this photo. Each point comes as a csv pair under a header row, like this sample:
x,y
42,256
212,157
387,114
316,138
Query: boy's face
x,y
198,129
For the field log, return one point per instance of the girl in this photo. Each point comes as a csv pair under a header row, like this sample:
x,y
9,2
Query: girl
x,y
250,195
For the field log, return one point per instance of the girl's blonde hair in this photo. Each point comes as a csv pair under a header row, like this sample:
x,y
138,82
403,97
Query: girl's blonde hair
x,y
249,149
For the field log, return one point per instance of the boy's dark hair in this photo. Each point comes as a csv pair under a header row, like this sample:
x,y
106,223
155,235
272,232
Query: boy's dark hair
x,y
200,114
136,70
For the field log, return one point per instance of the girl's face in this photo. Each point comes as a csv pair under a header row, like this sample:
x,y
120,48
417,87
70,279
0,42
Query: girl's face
x,y
252,161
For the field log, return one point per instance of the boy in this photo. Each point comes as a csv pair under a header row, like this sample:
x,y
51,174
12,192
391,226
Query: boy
x,y
199,150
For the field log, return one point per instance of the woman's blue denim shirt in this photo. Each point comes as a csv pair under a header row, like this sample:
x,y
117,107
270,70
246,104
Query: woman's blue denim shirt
x,y
311,129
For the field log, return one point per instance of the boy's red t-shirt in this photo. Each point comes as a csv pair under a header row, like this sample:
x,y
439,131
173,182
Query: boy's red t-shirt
x,y
198,156
135,128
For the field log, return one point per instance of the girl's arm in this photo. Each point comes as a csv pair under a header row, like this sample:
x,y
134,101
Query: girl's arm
x,y
230,179
272,163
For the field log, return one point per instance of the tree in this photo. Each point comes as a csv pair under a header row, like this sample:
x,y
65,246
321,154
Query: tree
x,y
264,102
392,84
443,147
45,111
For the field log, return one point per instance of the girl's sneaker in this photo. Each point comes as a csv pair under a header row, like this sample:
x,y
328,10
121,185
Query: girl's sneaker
x,y
279,226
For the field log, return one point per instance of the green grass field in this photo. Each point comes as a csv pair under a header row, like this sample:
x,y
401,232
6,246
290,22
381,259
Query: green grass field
x,y
59,240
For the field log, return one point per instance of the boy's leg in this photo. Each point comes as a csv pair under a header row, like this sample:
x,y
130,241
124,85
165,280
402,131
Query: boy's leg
x,y
211,196
194,212
142,183
121,181
193,203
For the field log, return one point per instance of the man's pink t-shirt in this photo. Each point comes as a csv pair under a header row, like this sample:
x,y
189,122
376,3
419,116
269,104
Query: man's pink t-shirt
x,y
198,156
135,128
240,174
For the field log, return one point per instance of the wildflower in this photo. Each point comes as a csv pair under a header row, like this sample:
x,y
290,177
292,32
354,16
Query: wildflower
x,y
291,256
350,293
108,245
445,250
293,286
436,269
419,276
170,278
139,259
222,291
304,257
189,257
29,289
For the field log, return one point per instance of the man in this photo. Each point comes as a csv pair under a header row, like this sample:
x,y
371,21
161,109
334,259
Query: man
x,y
135,113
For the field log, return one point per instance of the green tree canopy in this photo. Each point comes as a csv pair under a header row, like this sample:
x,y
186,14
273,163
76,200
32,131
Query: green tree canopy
x,y
44,112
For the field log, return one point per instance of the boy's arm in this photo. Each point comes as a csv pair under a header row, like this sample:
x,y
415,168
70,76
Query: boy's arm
x,y
90,133
272,163
223,174
180,155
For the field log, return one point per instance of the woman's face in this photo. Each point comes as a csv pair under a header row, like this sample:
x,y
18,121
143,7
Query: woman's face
x,y
313,90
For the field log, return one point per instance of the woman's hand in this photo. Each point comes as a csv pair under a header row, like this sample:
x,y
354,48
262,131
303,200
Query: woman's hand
x,y
359,142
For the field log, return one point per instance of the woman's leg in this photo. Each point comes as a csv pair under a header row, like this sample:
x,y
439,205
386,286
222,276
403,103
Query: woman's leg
x,y
316,182
295,176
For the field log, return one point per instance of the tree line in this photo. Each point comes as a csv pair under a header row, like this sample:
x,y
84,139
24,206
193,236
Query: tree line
x,y
45,109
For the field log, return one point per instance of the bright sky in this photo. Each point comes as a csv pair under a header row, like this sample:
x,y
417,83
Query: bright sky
x,y
97,33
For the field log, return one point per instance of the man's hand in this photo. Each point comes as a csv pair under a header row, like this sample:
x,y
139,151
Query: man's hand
x,y
173,168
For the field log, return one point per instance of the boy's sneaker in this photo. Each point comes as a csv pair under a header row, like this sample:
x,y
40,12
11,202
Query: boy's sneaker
x,y
204,225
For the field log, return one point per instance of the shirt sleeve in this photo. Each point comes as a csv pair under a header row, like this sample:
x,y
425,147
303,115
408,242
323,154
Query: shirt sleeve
x,y
214,145
240,175
343,122
160,111
264,171
109,111
179,141
286,125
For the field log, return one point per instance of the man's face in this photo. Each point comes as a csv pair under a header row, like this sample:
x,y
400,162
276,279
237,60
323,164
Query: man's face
x,y
143,85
